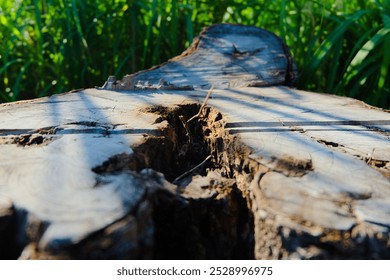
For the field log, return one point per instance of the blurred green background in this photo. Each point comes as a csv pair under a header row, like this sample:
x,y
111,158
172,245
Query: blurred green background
x,y
52,46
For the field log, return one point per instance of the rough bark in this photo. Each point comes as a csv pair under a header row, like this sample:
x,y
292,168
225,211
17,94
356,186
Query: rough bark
x,y
265,173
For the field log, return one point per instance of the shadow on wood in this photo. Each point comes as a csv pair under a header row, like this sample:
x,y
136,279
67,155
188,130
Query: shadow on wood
x,y
265,171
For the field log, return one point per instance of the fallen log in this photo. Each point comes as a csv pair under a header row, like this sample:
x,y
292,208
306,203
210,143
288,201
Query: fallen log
x,y
148,167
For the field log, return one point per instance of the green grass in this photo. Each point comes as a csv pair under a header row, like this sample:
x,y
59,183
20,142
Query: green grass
x,y
52,46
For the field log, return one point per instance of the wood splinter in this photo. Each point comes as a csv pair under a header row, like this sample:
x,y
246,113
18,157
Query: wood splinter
x,y
203,105
191,170
185,125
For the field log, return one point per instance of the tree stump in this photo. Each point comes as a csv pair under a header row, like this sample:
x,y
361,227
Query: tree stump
x,y
156,165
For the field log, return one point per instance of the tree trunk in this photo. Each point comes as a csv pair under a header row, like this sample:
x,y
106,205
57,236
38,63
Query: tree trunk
x,y
156,165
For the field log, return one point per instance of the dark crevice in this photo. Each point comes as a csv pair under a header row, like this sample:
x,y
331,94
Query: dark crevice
x,y
30,139
171,153
8,247
219,226
329,143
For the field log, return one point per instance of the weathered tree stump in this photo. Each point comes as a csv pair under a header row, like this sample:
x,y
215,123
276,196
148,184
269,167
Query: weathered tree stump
x,y
268,172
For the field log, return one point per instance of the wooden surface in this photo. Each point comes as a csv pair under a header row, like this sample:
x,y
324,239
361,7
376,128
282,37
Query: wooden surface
x,y
227,56
283,173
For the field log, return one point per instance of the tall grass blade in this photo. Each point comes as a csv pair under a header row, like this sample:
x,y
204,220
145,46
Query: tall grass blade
x,y
147,41
17,85
384,72
368,47
77,21
325,47
8,64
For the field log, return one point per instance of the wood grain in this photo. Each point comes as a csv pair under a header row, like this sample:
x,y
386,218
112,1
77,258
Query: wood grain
x,y
225,55
289,174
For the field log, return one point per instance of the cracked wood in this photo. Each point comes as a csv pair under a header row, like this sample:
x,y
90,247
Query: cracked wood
x,y
304,175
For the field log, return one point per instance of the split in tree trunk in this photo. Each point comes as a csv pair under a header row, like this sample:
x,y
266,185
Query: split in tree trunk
x,y
265,172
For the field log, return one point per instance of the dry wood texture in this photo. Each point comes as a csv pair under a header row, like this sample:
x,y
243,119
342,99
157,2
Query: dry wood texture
x,y
226,56
270,172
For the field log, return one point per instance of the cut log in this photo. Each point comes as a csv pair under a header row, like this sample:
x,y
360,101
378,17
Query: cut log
x,y
262,172
227,56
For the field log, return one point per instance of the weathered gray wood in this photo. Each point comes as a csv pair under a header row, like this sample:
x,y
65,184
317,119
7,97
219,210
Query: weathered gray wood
x,y
225,55
292,174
